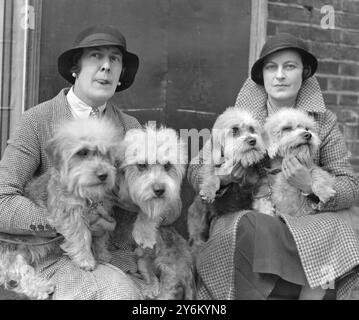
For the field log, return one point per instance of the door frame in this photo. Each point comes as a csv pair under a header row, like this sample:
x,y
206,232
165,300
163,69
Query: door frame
x,y
258,32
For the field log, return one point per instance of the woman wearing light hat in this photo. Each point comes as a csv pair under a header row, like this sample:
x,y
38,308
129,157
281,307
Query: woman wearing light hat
x,y
255,256
97,66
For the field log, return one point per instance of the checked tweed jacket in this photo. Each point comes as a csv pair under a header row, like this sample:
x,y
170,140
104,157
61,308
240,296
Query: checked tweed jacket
x,y
25,157
327,244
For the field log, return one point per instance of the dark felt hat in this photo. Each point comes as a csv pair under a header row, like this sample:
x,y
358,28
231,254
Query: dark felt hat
x,y
280,42
100,35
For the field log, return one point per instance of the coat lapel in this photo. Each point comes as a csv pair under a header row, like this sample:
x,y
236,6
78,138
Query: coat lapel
x,y
252,97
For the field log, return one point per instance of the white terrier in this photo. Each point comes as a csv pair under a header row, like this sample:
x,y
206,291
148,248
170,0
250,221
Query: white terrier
x,y
76,188
236,142
291,132
153,167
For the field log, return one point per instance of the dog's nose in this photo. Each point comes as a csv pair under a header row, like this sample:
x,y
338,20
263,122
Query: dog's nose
x,y
102,176
252,141
307,135
158,190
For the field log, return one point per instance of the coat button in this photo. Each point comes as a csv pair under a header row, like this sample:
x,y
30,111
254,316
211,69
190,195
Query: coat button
x,y
40,227
48,227
32,227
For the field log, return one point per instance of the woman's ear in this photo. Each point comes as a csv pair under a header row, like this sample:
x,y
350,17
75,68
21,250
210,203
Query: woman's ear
x,y
122,75
306,72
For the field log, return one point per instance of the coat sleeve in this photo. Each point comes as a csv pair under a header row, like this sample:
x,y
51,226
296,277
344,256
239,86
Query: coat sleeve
x,y
335,158
18,214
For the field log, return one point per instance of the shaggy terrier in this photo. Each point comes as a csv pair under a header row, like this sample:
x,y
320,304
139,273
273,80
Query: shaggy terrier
x,y
73,192
291,133
236,142
151,174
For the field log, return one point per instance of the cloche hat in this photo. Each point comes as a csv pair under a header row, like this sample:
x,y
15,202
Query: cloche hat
x,y
279,42
100,35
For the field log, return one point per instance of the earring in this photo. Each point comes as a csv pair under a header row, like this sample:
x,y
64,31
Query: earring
x,y
119,83
74,74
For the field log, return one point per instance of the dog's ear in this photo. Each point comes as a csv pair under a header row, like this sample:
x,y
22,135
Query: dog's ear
x,y
217,147
269,144
119,152
53,151
265,138
272,150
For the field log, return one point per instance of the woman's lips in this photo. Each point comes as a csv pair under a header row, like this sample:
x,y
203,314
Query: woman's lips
x,y
103,81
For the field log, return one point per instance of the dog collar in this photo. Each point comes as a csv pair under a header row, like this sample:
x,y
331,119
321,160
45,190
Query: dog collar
x,y
273,171
93,204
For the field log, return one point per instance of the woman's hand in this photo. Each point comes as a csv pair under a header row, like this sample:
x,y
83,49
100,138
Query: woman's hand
x,y
297,174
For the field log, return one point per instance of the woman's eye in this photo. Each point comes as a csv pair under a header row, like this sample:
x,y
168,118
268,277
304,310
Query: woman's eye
x,y
290,66
116,59
142,166
95,55
269,67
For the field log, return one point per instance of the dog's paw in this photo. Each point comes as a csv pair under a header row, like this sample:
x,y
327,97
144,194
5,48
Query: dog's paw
x,y
208,194
45,290
104,255
40,289
87,263
152,290
325,193
195,247
264,206
145,238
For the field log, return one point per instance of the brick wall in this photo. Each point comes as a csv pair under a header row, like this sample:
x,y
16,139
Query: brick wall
x,y
337,51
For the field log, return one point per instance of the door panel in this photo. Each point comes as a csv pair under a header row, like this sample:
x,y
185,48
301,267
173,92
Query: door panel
x,y
193,57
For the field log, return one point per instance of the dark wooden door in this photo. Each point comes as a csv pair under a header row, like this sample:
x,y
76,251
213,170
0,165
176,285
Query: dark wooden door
x,y
193,55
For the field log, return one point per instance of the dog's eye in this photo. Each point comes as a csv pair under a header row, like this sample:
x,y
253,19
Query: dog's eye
x,y
82,153
142,166
235,131
167,166
287,128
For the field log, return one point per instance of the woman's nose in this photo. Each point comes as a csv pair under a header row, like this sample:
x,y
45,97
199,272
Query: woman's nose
x,y
279,73
105,65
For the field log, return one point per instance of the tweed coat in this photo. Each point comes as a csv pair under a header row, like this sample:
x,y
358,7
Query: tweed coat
x,y
25,157
327,243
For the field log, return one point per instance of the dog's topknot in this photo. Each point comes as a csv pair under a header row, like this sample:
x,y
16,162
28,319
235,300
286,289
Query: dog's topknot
x,y
101,131
289,117
233,115
151,145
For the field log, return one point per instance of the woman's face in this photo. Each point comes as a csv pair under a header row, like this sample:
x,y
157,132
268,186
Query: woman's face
x,y
282,76
100,70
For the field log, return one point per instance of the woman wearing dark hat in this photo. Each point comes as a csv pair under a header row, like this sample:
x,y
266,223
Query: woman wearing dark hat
x,y
98,65
254,256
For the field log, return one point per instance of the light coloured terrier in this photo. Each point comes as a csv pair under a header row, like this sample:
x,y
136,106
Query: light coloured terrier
x,y
291,133
236,142
74,190
153,167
